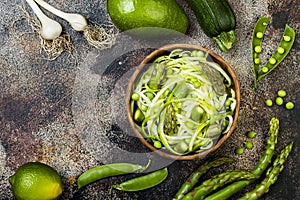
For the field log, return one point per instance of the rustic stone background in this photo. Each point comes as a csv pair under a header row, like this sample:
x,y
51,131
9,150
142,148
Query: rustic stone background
x,y
68,112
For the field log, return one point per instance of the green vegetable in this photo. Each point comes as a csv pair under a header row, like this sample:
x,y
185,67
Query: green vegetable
x,y
269,102
259,29
143,182
289,105
108,170
217,21
216,182
185,117
134,14
194,178
248,145
271,175
282,50
239,151
281,93
251,134
263,163
279,101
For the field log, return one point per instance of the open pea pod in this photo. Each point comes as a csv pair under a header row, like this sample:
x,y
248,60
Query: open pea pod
x,y
257,38
281,52
278,56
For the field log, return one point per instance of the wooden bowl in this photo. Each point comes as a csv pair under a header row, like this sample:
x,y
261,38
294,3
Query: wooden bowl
x,y
164,50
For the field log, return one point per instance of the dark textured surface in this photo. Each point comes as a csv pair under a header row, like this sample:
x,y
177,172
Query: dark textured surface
x,y
69,113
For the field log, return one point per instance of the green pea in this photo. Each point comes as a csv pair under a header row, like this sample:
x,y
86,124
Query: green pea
x,y
144,108
181,147
200,54
279,101
281,93
280,50
269,102
239,151
264,69
259,35
228,102
135,96
197,84
289,105
138,115
150,95
286,38
248,145
272,61
194,53
257,60
157,144
169,71
251,134
257,49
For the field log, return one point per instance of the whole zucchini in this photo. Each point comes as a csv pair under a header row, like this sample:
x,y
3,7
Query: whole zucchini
x,y
216,19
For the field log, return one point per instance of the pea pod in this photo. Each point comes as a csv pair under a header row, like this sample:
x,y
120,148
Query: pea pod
x,y
257,38
281,52
143,182
108,170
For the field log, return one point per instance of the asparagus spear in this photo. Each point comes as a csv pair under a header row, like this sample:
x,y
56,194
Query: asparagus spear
x,y
196,175
271,175
216,182
263,163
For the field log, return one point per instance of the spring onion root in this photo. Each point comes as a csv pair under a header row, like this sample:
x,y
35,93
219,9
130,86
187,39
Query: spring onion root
x,y
96,36
53,48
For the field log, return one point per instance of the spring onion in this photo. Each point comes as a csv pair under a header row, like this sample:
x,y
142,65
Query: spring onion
x,y
185,101
50,29
96,36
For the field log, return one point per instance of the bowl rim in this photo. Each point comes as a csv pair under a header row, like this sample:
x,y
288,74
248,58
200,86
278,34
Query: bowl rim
x,y
216,58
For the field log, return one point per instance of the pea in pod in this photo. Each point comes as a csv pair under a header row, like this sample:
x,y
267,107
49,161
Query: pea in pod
x,y
108,170
143,182
278,56
257,38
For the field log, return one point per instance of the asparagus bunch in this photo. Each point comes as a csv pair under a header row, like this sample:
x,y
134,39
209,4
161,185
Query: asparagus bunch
x,y
263,163
216,182
194,178
271,175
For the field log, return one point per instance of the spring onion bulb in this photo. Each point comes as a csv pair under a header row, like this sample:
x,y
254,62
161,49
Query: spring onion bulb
x,y
50,29
184,101
77,21
96,36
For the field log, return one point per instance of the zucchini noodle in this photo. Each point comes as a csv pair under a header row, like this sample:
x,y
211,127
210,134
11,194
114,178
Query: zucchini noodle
x,y
184,101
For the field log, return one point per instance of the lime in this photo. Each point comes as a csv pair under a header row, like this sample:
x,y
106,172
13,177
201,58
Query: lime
x,y
133,14
36,181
